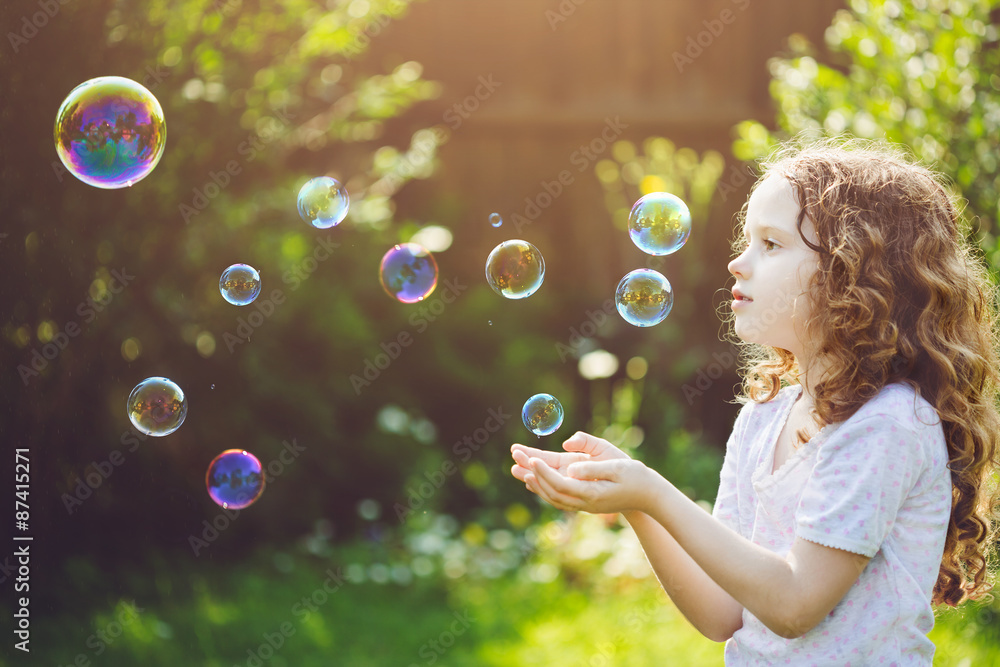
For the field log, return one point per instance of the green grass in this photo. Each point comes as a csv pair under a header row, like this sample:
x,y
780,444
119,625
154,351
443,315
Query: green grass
x,y
254,615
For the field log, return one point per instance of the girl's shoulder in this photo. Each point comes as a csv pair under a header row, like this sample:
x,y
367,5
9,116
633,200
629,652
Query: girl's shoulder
x,y
902,403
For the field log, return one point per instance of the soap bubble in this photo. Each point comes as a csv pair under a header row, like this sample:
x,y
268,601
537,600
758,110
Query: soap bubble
x,y
240,284
110,132
323,202
515,269
659,223
408,272
157,406
495,219
542,414
644,297
235,479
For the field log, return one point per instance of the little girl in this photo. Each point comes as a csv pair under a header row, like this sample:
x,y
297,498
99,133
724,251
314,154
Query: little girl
x,y
858,483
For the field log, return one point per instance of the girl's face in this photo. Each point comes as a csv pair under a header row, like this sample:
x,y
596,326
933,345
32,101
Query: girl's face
x,y
773,271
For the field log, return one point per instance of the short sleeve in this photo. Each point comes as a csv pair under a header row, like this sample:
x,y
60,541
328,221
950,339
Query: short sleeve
x,y
726,507
864,471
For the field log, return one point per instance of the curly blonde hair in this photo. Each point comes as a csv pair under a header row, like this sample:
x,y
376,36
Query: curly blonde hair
x,y
904,298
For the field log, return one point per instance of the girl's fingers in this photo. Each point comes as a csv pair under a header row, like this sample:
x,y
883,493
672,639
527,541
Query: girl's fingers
x,y
586,443
552,458
557,489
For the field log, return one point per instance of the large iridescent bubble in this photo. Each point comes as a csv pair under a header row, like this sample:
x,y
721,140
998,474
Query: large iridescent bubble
x,y
240,284
644,297
515,269
542,414
235,479
157,406
659,223
408,272
323,202
110,132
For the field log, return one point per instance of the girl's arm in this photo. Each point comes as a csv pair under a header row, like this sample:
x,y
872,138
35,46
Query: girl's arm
x,y
790,594
709,608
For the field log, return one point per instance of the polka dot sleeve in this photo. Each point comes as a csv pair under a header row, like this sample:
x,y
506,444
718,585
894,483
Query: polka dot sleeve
x,y
862,476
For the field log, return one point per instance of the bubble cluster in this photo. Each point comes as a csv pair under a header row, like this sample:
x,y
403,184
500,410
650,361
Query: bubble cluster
x,y
659,223
515,269
157,406
110,132
495,219
644,297
323,202
240,284
408,272
235,479
542,414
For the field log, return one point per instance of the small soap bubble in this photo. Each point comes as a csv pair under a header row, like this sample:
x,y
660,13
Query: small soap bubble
x,y
659,223
240,284
408,272
157,406
109,132
644,297
235,479
495,219
515,269
323,202
542,414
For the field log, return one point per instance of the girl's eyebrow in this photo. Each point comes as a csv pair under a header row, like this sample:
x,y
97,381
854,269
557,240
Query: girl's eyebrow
x,y
764,230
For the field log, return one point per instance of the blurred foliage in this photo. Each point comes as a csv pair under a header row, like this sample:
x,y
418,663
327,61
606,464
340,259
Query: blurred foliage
x,y
924,73
632,171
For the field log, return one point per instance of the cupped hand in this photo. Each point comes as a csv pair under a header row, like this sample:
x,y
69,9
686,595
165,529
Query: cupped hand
x,y
579,447
591,476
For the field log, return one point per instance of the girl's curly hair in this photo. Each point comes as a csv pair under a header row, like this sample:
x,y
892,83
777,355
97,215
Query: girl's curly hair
x,y
902,296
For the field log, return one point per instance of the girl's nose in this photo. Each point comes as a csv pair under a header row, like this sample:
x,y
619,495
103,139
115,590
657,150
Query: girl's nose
x,y
736,266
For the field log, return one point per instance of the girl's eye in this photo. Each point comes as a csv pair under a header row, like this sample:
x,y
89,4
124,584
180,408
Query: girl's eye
x,y
770,245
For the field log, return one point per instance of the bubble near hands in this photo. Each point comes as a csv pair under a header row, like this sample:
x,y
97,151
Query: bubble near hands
x,y
659,223
408,272
323,202
495,219
542,414
157,406
235,479
515,269
110,132
644,297
240,284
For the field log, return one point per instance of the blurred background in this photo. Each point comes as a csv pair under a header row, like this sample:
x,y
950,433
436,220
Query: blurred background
x,y
390,531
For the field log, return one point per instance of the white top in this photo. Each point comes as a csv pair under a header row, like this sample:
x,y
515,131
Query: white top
x,y
876,484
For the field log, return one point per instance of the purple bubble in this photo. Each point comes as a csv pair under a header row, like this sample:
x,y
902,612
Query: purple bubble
x,y
235,479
